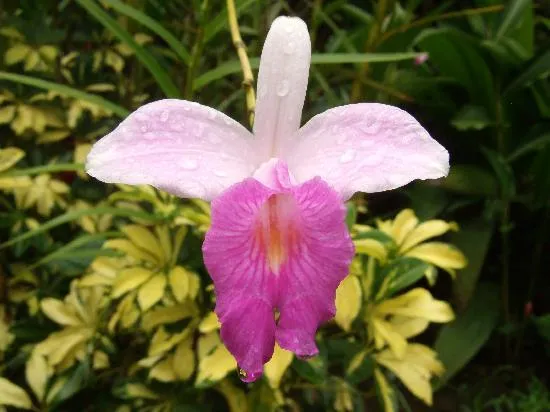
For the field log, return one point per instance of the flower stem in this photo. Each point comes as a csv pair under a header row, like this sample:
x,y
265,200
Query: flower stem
x,y
240,47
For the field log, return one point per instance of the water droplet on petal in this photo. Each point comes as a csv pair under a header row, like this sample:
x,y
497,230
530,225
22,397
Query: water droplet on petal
x,y
227,120
341,139
242,374
366,143
214,138
348,156
289,48
187,108
189,164
143,128
212,114
262,90
289,29
164,115
283,88
220,173
373,159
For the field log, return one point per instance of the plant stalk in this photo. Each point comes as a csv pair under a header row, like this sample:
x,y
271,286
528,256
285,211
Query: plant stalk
x,y
240,47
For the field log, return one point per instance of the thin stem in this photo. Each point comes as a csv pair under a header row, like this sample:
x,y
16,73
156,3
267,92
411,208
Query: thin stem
x,y
196,53
240,47
504,221
431,19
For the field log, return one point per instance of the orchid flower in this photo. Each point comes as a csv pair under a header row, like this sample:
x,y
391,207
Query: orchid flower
x,y
278,246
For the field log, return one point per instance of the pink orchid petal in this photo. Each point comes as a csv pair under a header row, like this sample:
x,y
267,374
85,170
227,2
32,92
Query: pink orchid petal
x,y
282,83
178,146
282,248
367,147
309,280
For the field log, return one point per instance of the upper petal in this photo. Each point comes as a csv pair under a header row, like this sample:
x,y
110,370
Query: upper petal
x,y
367,147
282,83
182,147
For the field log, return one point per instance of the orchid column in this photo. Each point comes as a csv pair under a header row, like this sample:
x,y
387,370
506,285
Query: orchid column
x,y
278,246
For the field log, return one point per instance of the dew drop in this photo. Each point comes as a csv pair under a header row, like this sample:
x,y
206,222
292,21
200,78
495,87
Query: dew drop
x,y
198,130
373,159
164,115
289,48
212,114
242,374
214,139
262,90
283,88
143,128
220,173
187,108
366,143
289,29
189,164
347,156
227,120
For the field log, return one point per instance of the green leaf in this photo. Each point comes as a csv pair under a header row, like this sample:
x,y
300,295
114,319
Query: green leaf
x,y
470,179
163,79
152,25
234,66
512,16
471,118
74,244
542,323
404,272
73,215
76,380
65,90
351,214
503,171
313,370
473,240
457,56
536,144
536,70
375,234
460,340
51,168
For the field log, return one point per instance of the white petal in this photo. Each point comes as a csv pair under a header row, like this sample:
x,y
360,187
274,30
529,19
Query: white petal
x,y
282,83
178,146
367,147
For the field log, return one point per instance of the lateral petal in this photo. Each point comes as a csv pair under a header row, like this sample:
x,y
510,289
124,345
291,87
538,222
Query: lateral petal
x,y
367,147
178,146
308,282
